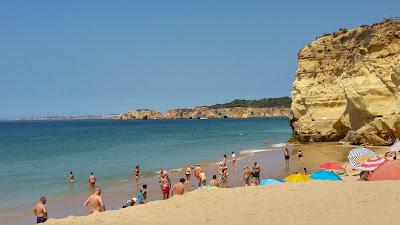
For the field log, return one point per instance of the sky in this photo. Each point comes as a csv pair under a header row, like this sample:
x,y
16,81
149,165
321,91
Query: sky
x,y
101,57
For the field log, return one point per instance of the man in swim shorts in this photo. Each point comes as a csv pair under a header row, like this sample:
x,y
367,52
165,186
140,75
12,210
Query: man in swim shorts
x,y
39,210
95,201
256,173
71,177
179,188
188,172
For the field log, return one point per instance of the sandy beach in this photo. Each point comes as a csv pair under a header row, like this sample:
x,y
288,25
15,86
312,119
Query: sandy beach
x,y
314,202
346,202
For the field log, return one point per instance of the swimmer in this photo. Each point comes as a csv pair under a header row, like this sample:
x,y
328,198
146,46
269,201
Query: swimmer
x,y
71,177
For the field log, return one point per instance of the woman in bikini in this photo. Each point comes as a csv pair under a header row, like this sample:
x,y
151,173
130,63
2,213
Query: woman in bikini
x,y
246,176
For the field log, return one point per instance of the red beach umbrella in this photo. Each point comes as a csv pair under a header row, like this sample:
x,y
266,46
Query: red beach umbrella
x,y
372,163
330,166
388,171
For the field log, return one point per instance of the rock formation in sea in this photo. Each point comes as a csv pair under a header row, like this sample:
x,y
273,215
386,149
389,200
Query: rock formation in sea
x,y
347,87
205,112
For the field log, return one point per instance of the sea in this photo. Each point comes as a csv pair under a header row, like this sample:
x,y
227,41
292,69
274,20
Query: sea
x,y
36,156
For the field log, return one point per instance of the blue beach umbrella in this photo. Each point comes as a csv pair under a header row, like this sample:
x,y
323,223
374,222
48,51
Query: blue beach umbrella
x,y
270,181
324,175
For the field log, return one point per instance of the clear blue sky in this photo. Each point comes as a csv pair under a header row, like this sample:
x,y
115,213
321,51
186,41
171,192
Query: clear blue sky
x,y
98,57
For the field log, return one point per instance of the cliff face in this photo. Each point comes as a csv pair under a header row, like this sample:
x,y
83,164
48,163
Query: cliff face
x,y
197,113
348,83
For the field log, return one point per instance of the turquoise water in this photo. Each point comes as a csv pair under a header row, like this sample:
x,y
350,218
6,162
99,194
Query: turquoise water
x,y
36,156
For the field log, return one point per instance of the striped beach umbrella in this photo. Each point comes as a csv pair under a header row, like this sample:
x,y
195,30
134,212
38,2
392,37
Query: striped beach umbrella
x,y
358,156
395,147
372,163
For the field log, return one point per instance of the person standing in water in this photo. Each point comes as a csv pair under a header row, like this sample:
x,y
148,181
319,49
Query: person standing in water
x,y
256,173
40,211
300,156
136,172
246,176
71,177
287,156
233,159
144,192
95,201
224,161
188,172
224,178
92,182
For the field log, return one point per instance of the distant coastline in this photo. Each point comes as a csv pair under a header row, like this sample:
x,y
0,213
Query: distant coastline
x,y
238,108
82,117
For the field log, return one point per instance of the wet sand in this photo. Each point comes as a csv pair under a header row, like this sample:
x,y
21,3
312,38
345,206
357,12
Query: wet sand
x,y
271,161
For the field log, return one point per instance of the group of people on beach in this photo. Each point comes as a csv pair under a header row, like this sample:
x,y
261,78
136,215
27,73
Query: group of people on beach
x,y
94,202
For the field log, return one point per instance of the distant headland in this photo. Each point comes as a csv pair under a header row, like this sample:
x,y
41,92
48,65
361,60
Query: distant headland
x,y
262,108
239,108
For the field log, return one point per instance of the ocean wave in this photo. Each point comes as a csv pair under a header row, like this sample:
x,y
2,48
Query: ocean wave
x,y
279,145
253,151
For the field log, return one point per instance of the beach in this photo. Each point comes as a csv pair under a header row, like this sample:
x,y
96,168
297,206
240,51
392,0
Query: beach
x,y
307,203
215,206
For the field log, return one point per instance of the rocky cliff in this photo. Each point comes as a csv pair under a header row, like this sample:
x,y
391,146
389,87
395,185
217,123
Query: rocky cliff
x,y
347,83
205,112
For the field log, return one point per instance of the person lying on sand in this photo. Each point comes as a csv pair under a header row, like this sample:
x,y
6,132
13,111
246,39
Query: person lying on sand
x,y
179,188
39,210
214,182
130,202
95,202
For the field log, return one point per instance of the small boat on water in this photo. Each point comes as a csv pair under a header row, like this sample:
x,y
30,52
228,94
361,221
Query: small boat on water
x,y
203,118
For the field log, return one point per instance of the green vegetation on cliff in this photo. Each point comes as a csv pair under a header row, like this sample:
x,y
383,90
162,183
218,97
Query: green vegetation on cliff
x,y
282,102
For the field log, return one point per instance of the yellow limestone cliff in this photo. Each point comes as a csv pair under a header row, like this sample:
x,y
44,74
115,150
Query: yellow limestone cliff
x,y
347,87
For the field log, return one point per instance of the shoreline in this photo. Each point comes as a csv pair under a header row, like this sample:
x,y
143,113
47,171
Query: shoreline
x,y
271,160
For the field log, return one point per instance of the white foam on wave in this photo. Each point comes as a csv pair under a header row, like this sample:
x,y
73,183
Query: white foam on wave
x,y
279,145
253,151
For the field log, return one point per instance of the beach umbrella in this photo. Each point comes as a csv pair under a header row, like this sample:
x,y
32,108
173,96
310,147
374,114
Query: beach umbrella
x,y
270,181
372,163
395,147
330,166
358,156
297,178
388,171
324,175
